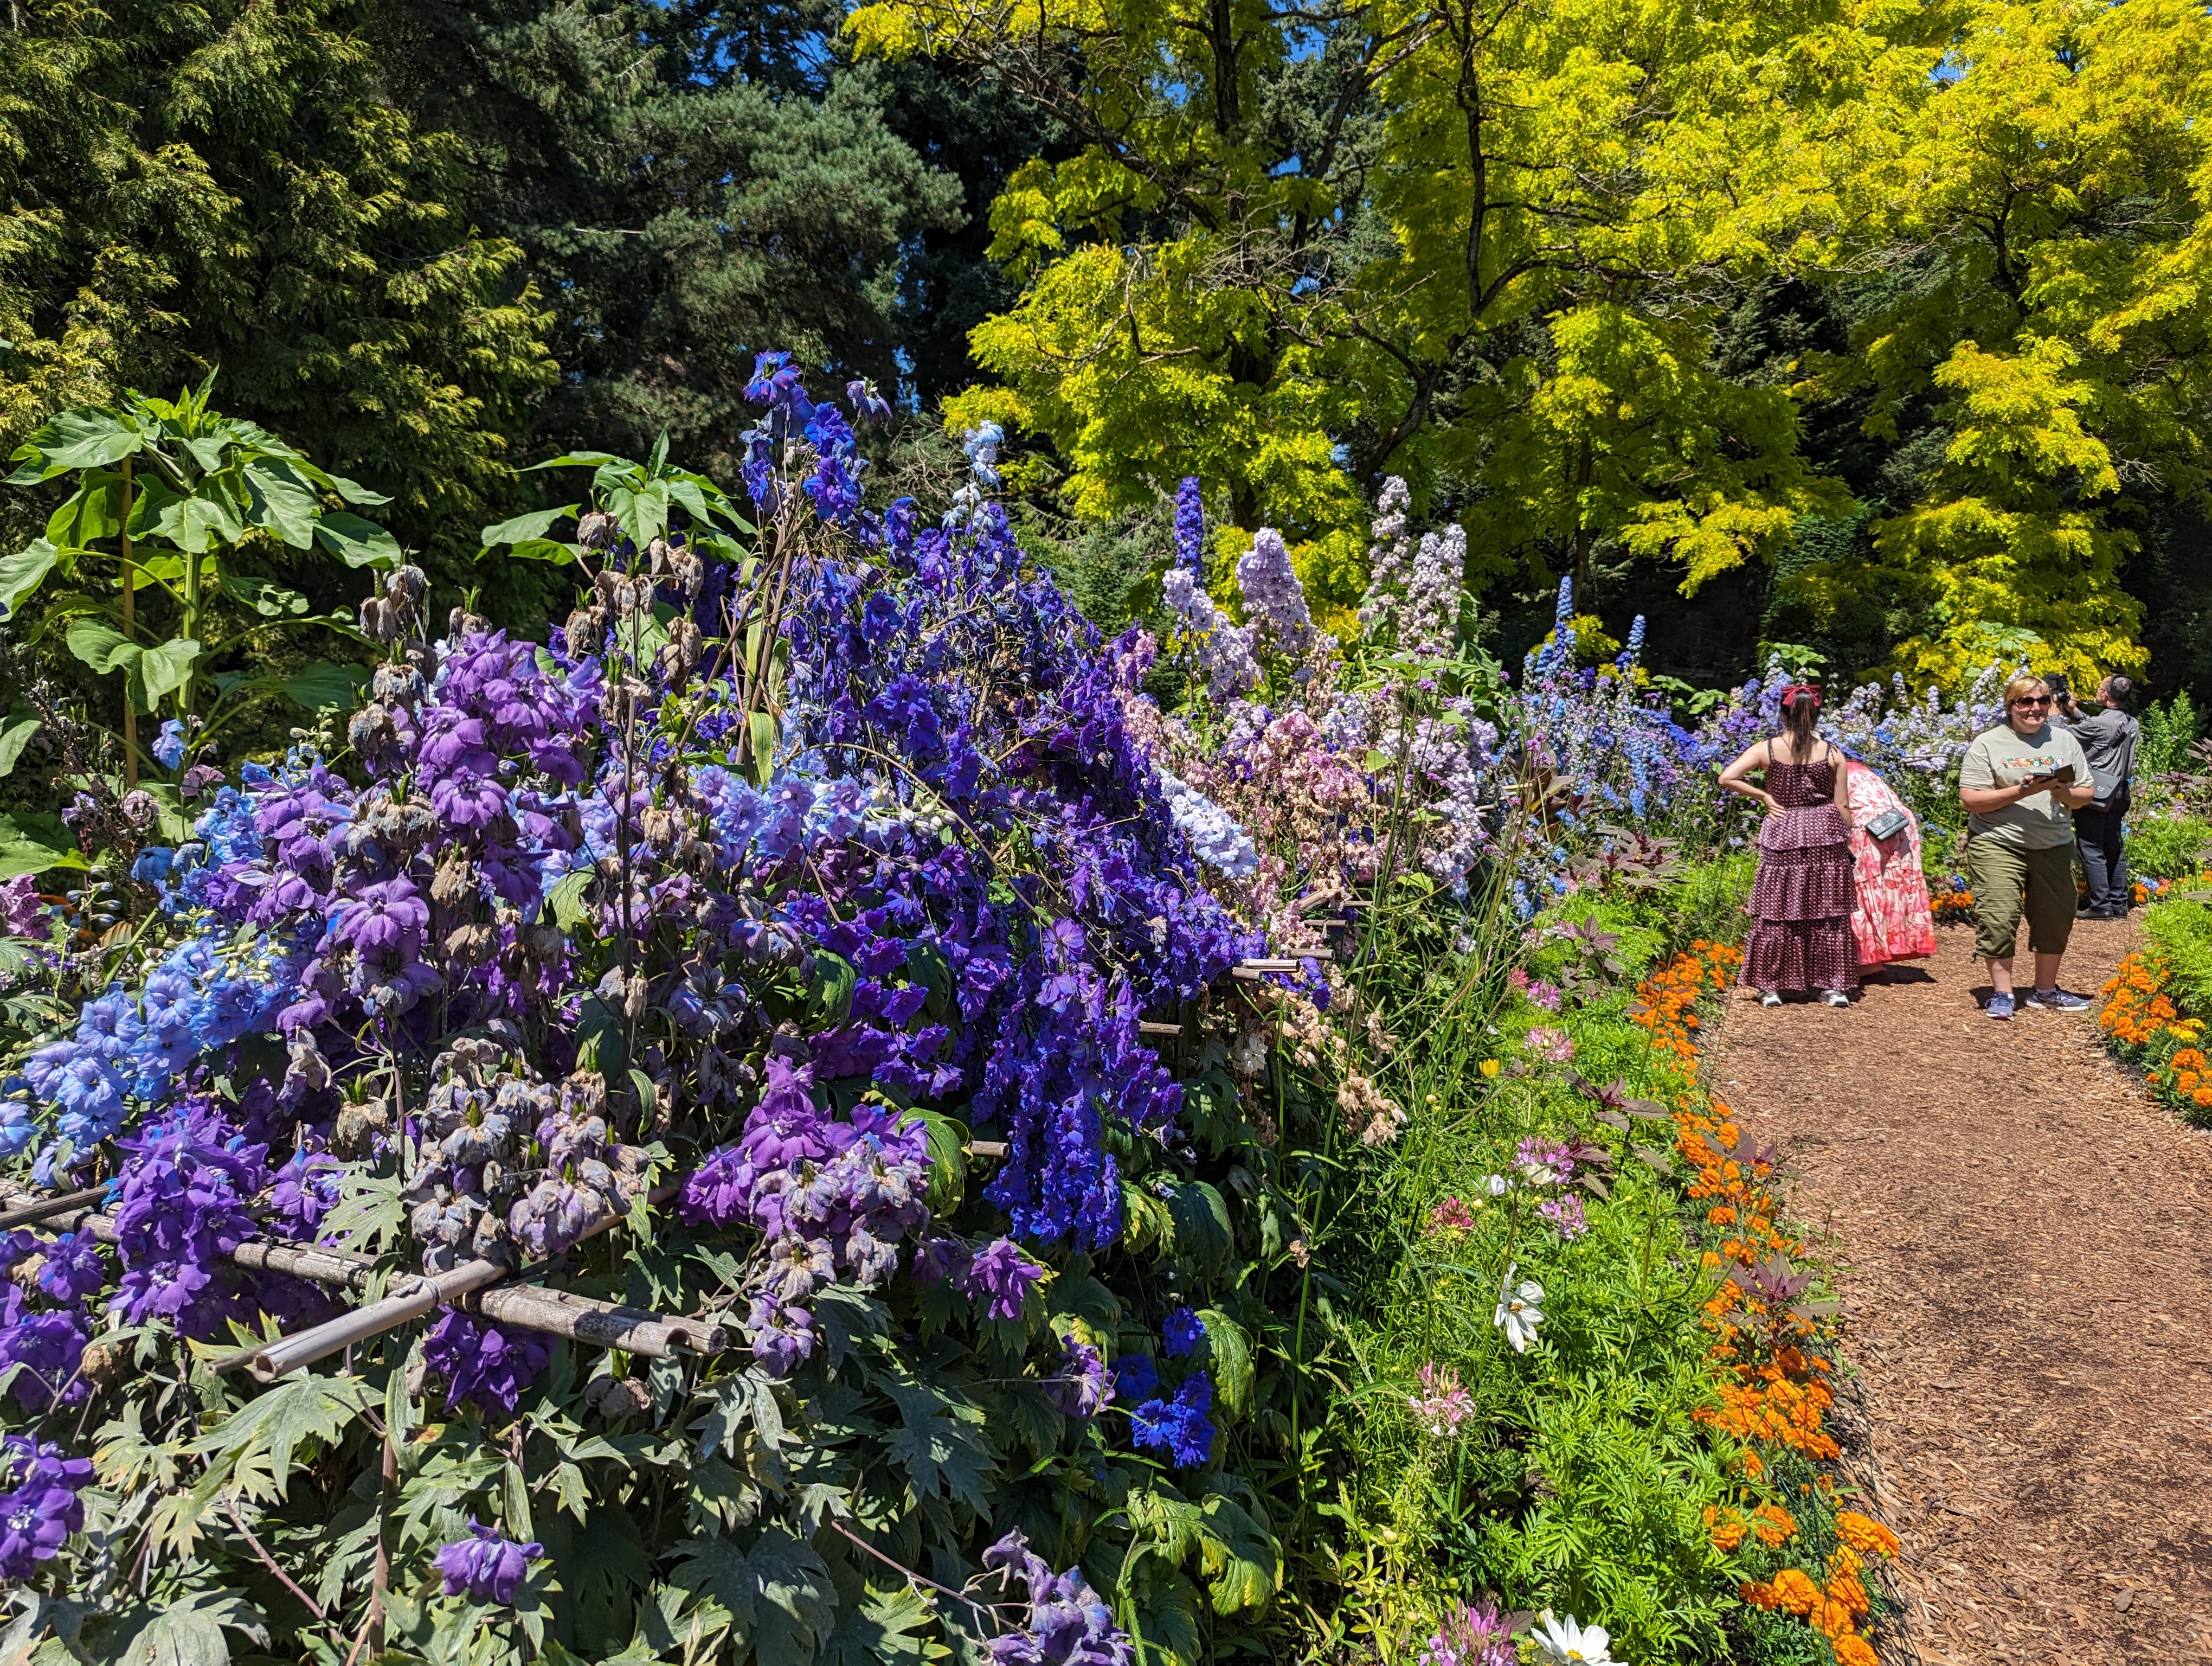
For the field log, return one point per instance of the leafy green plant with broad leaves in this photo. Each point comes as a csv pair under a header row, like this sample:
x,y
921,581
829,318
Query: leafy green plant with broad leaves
x,y
180,495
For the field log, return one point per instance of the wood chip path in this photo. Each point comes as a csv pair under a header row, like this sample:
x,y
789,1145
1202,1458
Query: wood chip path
x,y
2025,1249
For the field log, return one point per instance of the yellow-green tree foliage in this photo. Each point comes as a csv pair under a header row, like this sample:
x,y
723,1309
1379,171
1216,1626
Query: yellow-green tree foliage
x,y
1490,247
2039,209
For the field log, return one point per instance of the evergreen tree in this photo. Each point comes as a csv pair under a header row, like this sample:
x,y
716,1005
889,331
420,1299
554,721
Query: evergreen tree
x,y
692,185
224,186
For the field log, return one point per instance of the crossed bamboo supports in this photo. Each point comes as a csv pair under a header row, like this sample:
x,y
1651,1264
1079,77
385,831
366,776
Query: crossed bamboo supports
x,y
486,1287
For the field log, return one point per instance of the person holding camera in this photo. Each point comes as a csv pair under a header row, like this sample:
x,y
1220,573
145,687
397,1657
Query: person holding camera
x,y
2022,783
2108,737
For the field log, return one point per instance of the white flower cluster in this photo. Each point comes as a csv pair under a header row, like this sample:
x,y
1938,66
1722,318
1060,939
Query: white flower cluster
x,y
1223,649
1388,558
1431,618
1272,595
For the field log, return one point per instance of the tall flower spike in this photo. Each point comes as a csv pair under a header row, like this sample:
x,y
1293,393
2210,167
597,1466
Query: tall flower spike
x,y
1190,529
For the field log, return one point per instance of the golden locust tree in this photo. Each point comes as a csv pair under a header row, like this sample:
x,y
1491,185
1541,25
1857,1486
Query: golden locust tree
x,y
2035,229
1480,243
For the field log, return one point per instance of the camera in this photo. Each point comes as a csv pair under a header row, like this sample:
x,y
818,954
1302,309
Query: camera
x,y
2061,692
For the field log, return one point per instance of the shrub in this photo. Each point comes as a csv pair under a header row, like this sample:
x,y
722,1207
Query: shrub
x,y
2168,846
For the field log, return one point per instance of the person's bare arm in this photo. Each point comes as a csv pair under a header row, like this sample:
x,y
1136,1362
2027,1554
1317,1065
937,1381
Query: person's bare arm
x,y
1736,778
1844,788
2074,794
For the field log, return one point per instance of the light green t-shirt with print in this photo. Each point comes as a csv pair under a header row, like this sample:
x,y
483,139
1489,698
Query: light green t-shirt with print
x,y
2004,757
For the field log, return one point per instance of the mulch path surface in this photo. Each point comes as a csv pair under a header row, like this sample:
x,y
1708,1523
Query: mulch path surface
x,y
2024,1245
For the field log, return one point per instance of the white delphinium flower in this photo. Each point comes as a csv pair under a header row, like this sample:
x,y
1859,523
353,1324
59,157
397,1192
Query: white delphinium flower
x,y
1570,1643
1517,1309
1271,591
1214,837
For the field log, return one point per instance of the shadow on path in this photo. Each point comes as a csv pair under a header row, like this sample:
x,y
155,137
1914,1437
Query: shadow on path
x,y
2025,1244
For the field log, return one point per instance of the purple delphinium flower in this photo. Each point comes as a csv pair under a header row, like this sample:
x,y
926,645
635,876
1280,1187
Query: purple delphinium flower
x,y
74,1269
482,1364
1001,1272
1081,1387
1190,529
1067,1623
38,1517
1184,1331
486,1565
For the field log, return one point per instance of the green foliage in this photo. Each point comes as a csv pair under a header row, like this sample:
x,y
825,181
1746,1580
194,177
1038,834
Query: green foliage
x,y
228,185
2181,931
2168,846
2170,728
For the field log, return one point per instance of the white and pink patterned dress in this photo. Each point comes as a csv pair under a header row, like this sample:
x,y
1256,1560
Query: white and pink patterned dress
x,y
1893,920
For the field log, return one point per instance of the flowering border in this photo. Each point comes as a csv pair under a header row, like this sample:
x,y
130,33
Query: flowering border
x,y
1772,1350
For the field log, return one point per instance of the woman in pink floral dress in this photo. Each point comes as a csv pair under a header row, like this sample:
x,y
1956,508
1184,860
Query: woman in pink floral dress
x,y
1893,920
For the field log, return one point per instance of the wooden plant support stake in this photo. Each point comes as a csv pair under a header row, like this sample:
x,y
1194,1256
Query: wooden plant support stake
x,y
269,1361
43,1209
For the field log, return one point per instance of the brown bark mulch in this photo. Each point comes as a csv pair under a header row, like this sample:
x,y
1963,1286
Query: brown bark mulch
x,y
2023,1242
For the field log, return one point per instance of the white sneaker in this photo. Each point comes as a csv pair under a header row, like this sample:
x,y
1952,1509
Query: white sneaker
x,y
1834,998
1771,998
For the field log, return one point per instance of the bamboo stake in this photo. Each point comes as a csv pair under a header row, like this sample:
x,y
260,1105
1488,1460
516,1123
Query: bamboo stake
x,y
46,1209
556,1312
270,1361
131,633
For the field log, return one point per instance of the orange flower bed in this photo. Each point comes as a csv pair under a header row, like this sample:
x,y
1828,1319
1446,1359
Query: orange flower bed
x,y
1775,1395
2141,1023
1951,905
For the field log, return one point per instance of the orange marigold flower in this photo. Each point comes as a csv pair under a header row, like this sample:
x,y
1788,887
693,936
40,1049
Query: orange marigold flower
x,y
1793,1590
1850,1593
1852,1649
1865,1535
1774,1524
2202,1096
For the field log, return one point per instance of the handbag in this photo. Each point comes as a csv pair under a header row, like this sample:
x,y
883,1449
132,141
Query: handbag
x,y
1887,825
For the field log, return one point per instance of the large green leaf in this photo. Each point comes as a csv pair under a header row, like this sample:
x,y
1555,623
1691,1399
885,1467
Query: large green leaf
x,y
536,524
325,686
546,549
23,572
278,499
164,669
13,739
939,1445
93,511
256,1443
887,1627
780,1591
352,491
1202,1224
200,522
580,459
1239,1556
1229,1352
356,542
189,1632
85,438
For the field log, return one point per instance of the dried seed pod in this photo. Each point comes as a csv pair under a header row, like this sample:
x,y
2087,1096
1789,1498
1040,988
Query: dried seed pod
x,y
358,1125
471,944
454,885
661,826
380,623
597,530
657,554
614,1397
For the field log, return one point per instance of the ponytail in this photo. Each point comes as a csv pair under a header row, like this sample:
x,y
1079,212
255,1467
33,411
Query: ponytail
x,y
1800,715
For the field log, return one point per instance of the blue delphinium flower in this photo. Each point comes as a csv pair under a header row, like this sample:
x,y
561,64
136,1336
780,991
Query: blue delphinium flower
x,y
1184,1331
168,747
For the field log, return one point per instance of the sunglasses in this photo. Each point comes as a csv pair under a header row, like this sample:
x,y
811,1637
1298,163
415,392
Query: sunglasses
x,y
2034,700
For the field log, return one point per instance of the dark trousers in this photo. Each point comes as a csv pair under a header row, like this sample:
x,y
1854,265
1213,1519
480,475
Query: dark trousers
x,y
2104,857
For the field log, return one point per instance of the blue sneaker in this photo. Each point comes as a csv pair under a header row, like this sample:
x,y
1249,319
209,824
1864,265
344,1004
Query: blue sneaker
x,y
2000,1007
2059,1000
